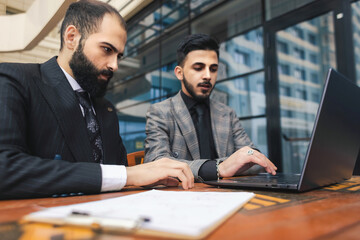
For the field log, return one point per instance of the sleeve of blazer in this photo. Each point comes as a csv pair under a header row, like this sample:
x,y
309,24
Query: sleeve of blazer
x,y
23,175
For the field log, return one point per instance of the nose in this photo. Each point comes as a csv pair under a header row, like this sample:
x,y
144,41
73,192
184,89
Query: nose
x,y
113,64
207,74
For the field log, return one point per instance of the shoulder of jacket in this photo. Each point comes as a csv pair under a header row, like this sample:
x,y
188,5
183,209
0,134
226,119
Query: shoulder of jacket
x,y
163,104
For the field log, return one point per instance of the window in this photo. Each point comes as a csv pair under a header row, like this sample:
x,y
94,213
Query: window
x,y
283,47
312,39
260,88
284,69
241,54
300,74
286,113
241,57
315,97
310,59
297,32
313,58
242,84
301,94
356,37
299,53
313,22
155,92
314,78
285,91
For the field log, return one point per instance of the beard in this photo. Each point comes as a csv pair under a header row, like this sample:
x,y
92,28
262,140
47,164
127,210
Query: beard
x,y
87,75
191,90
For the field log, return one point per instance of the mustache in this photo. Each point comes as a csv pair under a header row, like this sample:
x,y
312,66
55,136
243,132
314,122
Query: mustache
x,y
205,84
106,73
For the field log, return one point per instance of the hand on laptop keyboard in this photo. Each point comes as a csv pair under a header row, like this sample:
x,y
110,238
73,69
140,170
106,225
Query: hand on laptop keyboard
x,y
242,160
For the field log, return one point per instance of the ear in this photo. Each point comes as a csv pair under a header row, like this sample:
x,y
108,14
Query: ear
x,y
71,37
179,73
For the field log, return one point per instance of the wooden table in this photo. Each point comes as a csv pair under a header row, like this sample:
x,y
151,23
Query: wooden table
x,y
329,213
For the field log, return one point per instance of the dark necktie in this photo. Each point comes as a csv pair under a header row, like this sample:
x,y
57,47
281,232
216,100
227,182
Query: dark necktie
x,y
203,132
92,126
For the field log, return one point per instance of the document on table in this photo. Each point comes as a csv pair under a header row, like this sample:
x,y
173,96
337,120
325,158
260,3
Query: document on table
x,y
178,214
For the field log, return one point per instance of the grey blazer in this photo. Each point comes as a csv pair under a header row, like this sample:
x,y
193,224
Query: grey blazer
x,y
171,133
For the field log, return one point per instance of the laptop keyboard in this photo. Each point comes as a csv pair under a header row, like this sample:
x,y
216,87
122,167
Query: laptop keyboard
x,y
277,179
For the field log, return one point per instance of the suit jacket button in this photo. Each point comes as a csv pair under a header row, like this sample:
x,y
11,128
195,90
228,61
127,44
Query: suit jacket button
x,y
175,154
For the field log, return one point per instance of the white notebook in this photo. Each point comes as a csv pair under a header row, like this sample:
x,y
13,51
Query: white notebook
x,y
171,214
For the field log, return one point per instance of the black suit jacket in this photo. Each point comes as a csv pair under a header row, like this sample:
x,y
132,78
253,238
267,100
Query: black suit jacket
x,y
40,117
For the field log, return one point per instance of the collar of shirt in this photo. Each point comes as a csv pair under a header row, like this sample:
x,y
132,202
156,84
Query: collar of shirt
x,y
76,87
73,83
190,102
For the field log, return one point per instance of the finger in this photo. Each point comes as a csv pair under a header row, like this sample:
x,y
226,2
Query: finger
x,y
168,181
189,175
265,163
185,170
171,182
180,175
264,158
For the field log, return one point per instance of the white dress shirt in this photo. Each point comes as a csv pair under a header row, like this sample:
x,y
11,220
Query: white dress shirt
x,y
114,177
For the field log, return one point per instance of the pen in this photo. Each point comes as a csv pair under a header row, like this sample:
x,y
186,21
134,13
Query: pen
x,y
103,223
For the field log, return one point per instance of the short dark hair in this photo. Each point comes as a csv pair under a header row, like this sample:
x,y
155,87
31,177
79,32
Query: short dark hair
x,y
193,42
86,16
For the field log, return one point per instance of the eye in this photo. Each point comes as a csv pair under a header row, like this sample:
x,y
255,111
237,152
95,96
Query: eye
x,y
213,69
107,49
198,67
119,58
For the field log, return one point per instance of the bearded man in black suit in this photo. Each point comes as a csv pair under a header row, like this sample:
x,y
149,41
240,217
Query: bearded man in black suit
x,y
46,142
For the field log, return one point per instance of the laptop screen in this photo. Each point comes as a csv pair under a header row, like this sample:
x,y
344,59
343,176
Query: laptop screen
x,y
334,144
335,140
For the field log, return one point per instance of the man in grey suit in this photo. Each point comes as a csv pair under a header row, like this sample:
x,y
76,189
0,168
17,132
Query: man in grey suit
x,y
58,134
192,128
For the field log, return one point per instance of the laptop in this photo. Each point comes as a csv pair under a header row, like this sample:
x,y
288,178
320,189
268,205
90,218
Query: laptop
x,y
333,147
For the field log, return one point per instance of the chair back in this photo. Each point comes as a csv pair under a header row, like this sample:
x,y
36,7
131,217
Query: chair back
x,y
135,158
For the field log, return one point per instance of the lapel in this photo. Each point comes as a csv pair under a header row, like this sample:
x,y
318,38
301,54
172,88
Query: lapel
x,y
221,127
184,121
63,103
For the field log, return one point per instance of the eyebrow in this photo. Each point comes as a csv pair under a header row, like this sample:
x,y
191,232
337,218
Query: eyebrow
x,y
202,64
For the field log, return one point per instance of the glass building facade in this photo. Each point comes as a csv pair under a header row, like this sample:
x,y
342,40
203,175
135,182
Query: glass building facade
x,y
274,56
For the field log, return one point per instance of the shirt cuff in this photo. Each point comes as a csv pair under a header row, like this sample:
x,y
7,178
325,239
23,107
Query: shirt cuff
x,y
208,170
114,177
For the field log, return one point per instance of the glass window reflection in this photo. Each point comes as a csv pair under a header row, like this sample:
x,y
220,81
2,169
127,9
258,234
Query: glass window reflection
x,y
256,130
275,8
245,95
241,54
301,77
356,36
